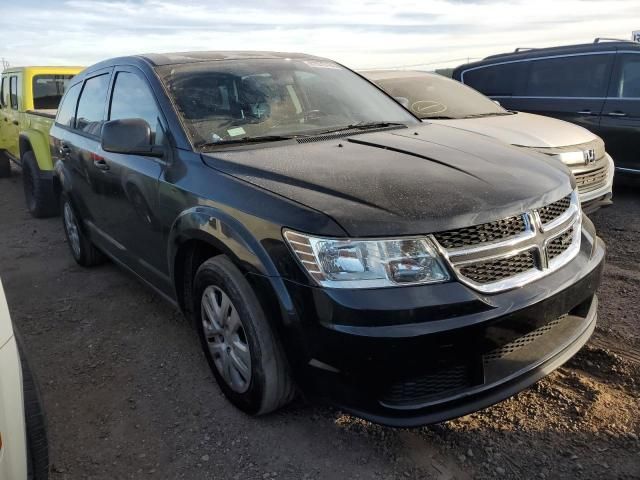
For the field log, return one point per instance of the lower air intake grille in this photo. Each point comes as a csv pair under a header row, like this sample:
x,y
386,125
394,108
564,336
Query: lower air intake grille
x,y
494,270
428,386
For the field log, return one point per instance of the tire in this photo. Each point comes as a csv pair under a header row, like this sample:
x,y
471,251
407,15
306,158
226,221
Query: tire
x,y
83,251
269,385
35,422
5,165
38,192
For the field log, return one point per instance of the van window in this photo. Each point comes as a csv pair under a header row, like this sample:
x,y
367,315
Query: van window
x,y
577,76
132,98
90,116
4,91
629,78
494,80
48,90
13,92
67,111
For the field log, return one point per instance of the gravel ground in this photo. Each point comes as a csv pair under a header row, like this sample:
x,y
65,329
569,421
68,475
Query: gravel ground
x,y
129,395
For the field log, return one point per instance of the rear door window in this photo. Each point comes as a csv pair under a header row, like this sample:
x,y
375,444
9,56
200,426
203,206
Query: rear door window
x,y
496,80
67,111
627,84
574,76
91,106
48,90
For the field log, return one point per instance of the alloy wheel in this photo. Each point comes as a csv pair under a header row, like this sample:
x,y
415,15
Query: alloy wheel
x,y
72,229
226,338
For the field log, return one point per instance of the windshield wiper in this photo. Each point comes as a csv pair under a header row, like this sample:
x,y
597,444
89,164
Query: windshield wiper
x,y
361,126
259,139
438,117
494,114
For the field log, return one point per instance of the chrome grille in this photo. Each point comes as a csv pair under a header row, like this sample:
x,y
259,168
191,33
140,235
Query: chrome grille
x,y
552,211
509,253
487,232
592,180
493,270
559,245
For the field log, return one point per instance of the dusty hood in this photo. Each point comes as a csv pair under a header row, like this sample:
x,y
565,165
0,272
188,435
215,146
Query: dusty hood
x,y
524,129
409,181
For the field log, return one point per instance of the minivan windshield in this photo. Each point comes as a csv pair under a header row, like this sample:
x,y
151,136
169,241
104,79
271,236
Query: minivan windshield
x,y
252,100
434,96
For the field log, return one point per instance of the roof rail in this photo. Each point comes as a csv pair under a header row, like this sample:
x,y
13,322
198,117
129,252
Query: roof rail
x,y
522,49
605,39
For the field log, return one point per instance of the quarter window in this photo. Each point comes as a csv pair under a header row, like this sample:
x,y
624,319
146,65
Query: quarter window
x,y
578,76
132,98
13,92
629,79
67,111
90,116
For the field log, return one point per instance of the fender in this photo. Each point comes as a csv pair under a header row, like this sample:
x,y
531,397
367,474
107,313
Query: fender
x,y
224,232
38,142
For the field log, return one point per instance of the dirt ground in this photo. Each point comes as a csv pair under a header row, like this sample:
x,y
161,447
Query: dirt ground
x,y
129,395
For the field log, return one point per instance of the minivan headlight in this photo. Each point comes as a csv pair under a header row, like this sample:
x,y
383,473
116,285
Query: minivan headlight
x,y
360,263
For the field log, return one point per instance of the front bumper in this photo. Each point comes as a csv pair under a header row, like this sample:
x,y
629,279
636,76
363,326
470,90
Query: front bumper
x,y
416,355
600,197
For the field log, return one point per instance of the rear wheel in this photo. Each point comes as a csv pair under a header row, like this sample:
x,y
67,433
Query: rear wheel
x,y
240,345
84,252
38,191
5,165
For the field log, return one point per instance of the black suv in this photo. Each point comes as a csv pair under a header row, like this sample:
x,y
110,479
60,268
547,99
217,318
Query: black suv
x,y
315,230
595,85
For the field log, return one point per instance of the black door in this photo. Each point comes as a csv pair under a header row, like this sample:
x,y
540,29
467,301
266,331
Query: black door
x,y
130,184
79,148
571,88
620,123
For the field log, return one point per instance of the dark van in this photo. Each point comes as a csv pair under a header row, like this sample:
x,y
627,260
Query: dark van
x,y
595,85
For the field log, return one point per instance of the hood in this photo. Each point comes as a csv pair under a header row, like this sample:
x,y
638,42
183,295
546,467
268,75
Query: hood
x,y
409,181
524,129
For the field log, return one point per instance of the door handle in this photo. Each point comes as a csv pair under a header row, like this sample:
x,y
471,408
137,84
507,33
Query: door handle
x,y
65,151
617,114
585,112
101,164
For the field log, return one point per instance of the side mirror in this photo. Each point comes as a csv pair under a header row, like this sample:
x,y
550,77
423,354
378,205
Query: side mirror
x,y
404,101
129,136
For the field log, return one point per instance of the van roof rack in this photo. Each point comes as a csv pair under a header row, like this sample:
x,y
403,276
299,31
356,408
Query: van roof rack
x,y
605,39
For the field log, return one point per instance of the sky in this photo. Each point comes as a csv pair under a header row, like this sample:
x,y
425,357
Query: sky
x,y
371,34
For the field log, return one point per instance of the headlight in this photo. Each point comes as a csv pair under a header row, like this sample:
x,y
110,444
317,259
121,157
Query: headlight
x,y
349,263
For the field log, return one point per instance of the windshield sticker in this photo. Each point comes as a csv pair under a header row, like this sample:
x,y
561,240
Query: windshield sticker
x,y
234,132
321,64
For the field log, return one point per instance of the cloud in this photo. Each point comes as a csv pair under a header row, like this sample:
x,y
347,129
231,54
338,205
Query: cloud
x,y
375,33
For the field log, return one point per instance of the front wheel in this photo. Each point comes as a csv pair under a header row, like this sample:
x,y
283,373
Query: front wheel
x,y
84,252
240,345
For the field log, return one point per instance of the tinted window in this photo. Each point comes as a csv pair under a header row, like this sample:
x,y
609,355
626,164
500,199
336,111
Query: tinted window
x,y
4,91
132,98
13,92
90,116
579,76
48,90
67,111
629,78
434,96
494,80
241,99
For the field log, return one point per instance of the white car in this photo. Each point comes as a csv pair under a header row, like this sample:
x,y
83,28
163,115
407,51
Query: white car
x,y
23,441
438,99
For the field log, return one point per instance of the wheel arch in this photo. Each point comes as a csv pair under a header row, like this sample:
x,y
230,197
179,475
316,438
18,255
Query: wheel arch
x,y
36,142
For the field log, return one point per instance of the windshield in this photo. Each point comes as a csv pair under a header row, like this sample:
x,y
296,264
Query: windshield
x,y
234,100
434,96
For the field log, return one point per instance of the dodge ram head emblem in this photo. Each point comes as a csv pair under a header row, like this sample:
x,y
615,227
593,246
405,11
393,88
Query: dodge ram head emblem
x,y
589,156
